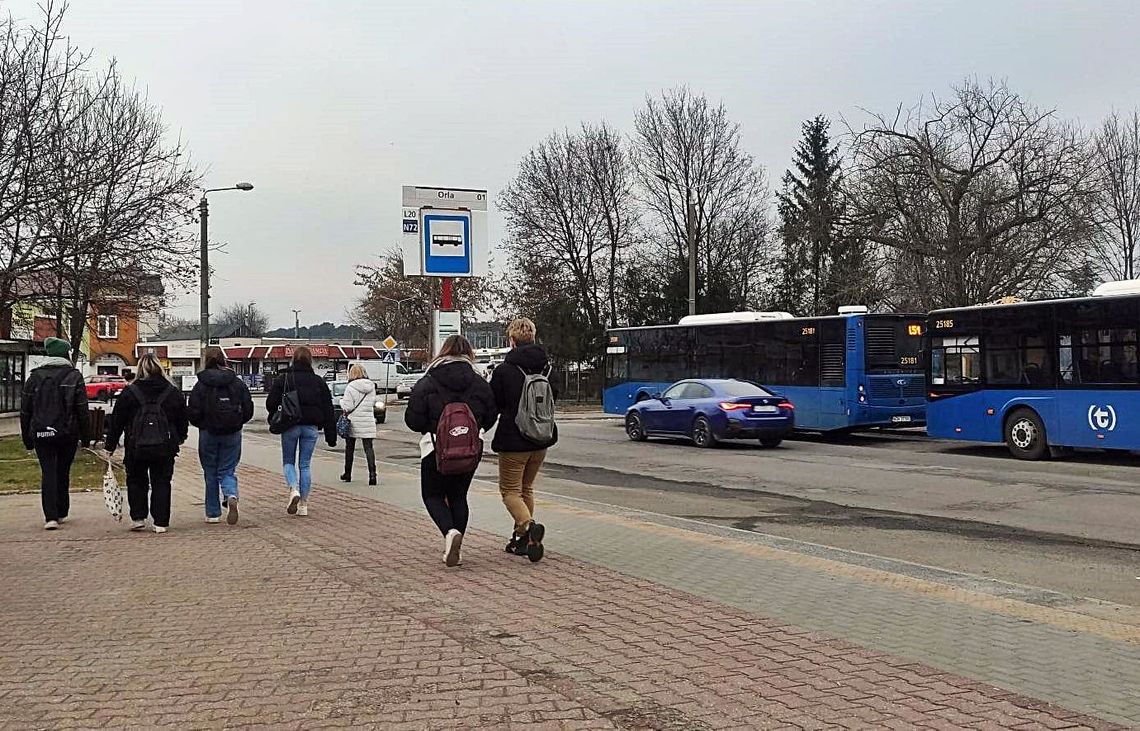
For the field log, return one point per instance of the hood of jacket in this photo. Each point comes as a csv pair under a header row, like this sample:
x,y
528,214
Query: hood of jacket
x,y
364,386
152,386
217,377
530,357
454,374
54,362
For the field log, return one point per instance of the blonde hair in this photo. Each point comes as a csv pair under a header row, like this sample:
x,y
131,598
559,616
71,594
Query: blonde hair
x,y
149,367
522,330
357,371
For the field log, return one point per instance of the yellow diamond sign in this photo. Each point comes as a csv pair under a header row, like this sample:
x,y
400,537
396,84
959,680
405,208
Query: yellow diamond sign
x,y
389,342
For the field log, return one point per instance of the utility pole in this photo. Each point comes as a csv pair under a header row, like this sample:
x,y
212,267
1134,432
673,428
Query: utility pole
x,y
296,324
691,240
249,320
204,283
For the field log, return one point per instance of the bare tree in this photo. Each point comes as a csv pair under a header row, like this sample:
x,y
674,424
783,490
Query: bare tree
x,y
989,192
570,218
687,150
252,320
1116,157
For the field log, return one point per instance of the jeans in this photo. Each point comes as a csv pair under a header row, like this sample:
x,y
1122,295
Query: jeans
x,y
350,452
153,476
219,454
297,446
55,456
517,471
445,496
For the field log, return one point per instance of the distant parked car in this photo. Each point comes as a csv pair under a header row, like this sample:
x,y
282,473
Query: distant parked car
x,y
104,388
709,410
406,383
338,388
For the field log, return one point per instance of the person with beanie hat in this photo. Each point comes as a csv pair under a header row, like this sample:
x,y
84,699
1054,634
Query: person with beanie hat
x,y
53,422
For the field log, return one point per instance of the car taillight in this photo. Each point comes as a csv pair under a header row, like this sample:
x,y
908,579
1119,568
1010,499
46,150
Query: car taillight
x,y
733,406
786,405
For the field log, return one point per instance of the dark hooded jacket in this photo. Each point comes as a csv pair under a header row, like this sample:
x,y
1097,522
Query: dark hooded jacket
x,y
506,383
128,404
198,409
56,375
314,394
447,382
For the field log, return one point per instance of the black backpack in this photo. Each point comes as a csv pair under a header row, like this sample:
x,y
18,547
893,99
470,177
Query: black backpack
x,y
223,410
151,433
288,414
53,404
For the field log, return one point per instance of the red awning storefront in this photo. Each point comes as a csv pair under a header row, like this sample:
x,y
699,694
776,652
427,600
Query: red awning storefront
x,y
285,352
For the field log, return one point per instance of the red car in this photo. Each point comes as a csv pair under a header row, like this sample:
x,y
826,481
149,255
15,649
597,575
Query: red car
x,y
104,388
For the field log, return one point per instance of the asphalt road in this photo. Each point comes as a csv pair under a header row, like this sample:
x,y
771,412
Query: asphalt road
x,y
1069,525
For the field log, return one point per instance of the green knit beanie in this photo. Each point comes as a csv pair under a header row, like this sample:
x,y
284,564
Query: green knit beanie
x,y
57,347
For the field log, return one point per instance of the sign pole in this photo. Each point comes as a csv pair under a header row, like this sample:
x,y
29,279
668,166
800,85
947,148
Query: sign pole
x,y
445,303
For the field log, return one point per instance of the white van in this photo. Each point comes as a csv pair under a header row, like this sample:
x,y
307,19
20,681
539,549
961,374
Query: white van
x,y
384,375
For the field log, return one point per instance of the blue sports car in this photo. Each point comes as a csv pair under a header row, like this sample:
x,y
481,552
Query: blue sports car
x,y
708,410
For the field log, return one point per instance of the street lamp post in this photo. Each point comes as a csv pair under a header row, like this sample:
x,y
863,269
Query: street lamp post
x,y
204,283
690,241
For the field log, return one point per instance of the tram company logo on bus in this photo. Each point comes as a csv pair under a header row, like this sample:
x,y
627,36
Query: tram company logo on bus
x,y
1102,418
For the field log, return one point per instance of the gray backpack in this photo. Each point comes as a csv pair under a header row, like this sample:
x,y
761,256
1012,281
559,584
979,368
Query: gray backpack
x,y
535,418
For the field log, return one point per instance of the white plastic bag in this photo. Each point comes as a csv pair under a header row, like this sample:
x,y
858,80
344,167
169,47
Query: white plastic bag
x,y
112,495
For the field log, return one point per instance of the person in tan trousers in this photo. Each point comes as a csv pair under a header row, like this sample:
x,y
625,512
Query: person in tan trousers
x,y
519,458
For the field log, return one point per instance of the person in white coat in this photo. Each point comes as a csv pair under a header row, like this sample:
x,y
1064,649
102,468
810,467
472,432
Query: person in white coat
x,y
359,404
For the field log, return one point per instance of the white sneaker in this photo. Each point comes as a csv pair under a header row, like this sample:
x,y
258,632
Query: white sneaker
x,y
160,529
452,543
213,520
64,519
138,525
232,515
303,509
294,498
51,525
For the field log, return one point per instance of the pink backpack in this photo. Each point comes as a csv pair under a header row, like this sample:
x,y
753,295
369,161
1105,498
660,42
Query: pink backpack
x,y
458,446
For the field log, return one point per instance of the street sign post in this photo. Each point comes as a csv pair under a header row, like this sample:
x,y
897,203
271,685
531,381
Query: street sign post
x,y
444,232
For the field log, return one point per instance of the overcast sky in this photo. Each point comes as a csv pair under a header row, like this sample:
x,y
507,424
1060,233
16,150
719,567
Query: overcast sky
x,y
329,106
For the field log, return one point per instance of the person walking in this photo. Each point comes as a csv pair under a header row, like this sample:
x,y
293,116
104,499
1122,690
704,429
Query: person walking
x,y
359,404
54,422
525,400
219,405
314,414
151,415
435,401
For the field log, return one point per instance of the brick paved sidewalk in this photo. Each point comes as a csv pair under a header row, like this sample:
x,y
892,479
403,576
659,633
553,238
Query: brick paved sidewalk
x,y
349,618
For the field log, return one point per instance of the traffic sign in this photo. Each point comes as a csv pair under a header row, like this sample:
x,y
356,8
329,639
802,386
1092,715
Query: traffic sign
x,y
389,343
444,232
389,356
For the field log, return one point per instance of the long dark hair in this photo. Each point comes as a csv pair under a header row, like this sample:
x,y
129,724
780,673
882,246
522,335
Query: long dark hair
x,y
456,346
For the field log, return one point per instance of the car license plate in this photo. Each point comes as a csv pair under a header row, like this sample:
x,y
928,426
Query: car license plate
x,y
900,419
765,409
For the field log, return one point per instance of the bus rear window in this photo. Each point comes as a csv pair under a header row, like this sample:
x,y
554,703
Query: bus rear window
x,y
893,346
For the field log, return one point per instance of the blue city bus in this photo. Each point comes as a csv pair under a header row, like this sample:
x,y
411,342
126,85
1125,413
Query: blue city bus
x,y
1039,376
845,372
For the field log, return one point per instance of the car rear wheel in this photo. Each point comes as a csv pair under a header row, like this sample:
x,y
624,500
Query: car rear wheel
x,y
702,433
634,429
1025,435
771,441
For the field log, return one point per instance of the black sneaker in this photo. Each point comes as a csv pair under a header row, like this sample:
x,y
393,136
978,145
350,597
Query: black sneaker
x,y
534,536
517,545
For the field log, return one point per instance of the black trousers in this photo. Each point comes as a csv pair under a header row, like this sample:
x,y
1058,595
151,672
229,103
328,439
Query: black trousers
x,y
149,475
445,496
350,452
55,456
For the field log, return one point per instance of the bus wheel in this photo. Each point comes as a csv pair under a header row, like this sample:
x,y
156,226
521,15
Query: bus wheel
x,y
1025,435
702,433
633,428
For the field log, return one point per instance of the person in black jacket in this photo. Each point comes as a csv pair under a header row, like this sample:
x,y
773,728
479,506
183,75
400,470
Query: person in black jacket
x,y
300,440
150,467
54,422
451,377
219,406
519,457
